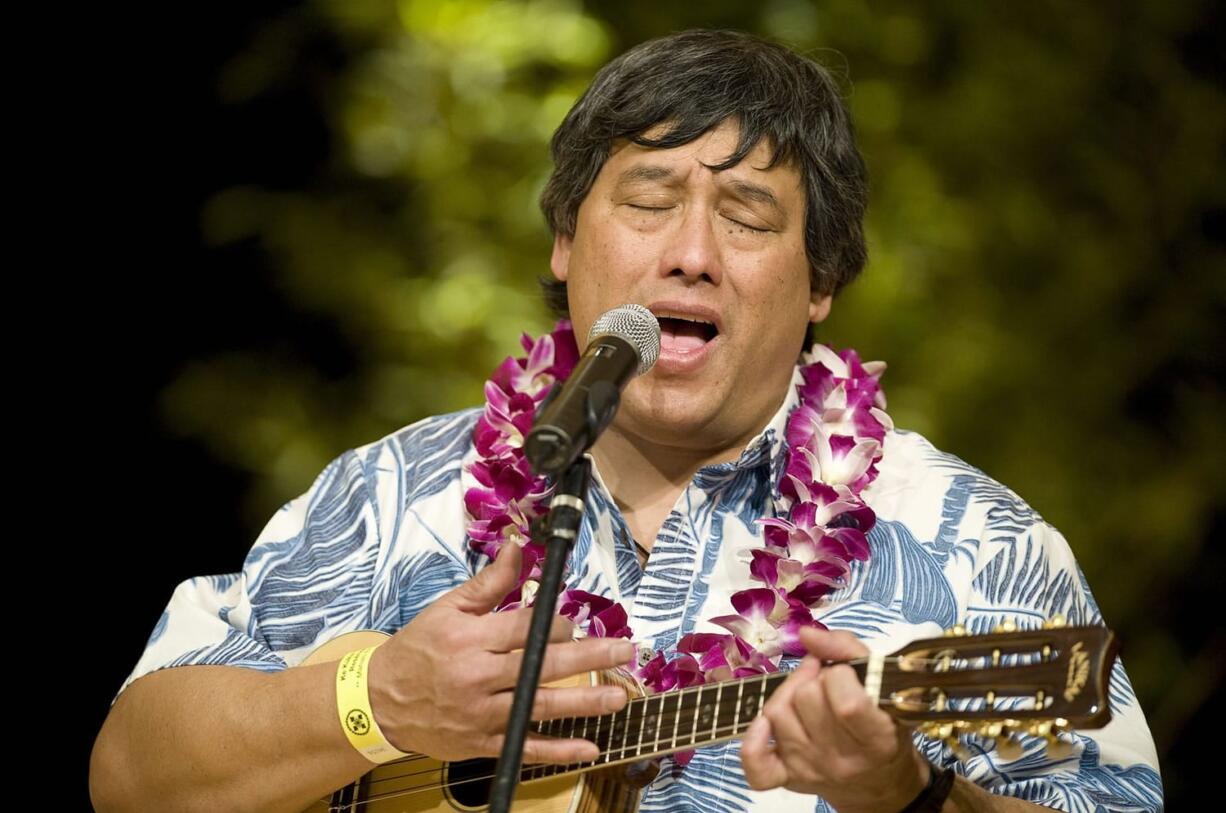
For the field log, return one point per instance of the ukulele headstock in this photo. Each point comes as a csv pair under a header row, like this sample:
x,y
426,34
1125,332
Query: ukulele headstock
x,y
1041,682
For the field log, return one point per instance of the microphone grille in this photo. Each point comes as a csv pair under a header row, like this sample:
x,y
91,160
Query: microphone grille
x,y
635,324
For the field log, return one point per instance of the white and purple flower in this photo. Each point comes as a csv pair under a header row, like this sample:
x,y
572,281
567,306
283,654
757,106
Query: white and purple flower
x,y
768,622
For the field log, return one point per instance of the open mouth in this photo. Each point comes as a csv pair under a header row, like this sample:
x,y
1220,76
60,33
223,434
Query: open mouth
x,y
685,335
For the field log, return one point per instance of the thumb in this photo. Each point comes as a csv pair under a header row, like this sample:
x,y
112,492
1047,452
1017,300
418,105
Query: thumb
x,y
481,594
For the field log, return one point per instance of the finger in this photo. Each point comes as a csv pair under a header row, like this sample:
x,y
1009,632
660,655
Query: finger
x,y
575,657
539,749
763,767
854,714
563,752
552,703
812,708
808,668
482,592
806,672
790,730
832,645
508,631
841,733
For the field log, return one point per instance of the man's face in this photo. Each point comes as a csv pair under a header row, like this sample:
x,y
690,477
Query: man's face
x,y
719,258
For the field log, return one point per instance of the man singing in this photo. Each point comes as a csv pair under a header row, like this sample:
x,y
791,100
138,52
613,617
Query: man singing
x,y
749,513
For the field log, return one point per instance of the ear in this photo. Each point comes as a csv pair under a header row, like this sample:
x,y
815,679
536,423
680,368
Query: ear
x,y
819,307
559,261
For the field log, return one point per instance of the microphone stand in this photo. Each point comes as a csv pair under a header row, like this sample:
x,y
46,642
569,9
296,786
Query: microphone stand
x,y
562,526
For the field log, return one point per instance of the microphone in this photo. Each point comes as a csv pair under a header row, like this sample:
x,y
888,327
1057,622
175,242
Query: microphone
x,y
623,343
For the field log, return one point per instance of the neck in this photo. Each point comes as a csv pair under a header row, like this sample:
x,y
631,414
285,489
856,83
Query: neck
x,y
663,723
638,460
636,469
640,471
646,478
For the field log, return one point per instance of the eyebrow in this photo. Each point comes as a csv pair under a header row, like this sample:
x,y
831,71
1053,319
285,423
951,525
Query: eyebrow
x,y
645,173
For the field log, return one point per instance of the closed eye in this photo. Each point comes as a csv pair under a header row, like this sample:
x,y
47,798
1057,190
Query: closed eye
x,y
743,224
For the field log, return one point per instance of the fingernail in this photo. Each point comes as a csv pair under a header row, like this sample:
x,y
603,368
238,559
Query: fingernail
x,y
622,651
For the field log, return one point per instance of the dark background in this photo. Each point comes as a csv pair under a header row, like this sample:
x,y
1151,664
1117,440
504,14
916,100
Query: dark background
x,y
301,226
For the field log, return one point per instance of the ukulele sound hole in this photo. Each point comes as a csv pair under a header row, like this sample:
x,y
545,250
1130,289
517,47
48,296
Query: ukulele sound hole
x,y
469,781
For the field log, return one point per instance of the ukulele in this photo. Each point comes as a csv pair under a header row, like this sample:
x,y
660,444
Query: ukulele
x,y
1042,682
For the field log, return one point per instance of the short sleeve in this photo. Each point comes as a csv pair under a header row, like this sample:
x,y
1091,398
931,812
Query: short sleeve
x,y
307,577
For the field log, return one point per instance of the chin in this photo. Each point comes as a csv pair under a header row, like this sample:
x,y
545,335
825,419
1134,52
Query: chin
x,y
671,418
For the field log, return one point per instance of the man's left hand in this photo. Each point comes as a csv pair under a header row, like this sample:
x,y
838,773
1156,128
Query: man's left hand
x,y
829,738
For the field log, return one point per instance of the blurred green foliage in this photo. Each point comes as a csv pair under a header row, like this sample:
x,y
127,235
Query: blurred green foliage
x,y
1043,279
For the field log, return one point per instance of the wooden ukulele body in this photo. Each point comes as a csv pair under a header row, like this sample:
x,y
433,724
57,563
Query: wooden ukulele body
x,y
420,784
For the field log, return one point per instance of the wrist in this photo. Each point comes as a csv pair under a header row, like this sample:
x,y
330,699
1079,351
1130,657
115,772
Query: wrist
x,y
354,709
908,778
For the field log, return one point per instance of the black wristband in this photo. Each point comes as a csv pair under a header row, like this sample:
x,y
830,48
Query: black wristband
x,y
932,798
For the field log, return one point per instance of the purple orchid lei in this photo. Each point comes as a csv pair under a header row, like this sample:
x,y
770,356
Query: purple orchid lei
x,y
834,438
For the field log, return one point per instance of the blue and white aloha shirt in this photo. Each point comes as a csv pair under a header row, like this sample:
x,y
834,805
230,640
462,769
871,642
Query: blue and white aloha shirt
x,y
380,535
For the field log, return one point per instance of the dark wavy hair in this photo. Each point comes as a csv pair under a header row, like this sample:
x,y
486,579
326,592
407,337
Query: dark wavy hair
x,y
693,81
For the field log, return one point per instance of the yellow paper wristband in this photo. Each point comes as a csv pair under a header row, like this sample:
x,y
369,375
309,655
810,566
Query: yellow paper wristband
x,y
353,706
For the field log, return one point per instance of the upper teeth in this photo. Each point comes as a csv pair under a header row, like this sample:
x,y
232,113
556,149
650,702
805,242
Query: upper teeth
x,y
694,319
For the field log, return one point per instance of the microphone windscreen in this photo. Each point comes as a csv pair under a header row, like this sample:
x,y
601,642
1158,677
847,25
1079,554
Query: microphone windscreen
x,y
636,325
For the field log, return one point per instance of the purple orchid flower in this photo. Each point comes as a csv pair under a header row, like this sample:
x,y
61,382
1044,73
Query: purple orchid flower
x,y
505,421
809,544
611,623
506,480
549,358
661,674
524,593
580,605
845,365
724,657
595,615
529,376
767,622
798,583
847,410
815,503
565,350
487,536
840,460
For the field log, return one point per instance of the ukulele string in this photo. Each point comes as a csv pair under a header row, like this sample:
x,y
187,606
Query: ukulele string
x,y
437,785
685,718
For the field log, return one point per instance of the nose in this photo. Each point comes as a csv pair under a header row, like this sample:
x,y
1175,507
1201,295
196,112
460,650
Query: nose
x,y
693,250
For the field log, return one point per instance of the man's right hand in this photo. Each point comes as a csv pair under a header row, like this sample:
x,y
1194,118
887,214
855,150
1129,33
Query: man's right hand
x,y
442,685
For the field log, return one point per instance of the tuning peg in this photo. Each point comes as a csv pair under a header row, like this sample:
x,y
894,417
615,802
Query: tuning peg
x,y
955,631
991,730
1040,728
1051,730
953,741
949,733
1002,732
1008,747
1055,622
1059,749
1008,625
